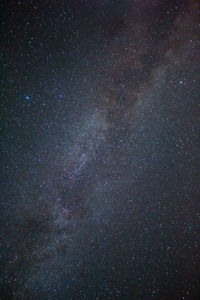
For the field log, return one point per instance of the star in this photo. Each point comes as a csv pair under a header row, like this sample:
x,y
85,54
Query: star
x,y
100,148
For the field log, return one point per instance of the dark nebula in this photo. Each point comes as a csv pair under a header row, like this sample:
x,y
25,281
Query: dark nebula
x,y
100,150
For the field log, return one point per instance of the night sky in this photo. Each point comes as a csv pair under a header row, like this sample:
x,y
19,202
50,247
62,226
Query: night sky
x,y
100,160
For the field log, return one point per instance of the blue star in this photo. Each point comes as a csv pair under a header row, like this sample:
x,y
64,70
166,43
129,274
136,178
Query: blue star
x,y
27,97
